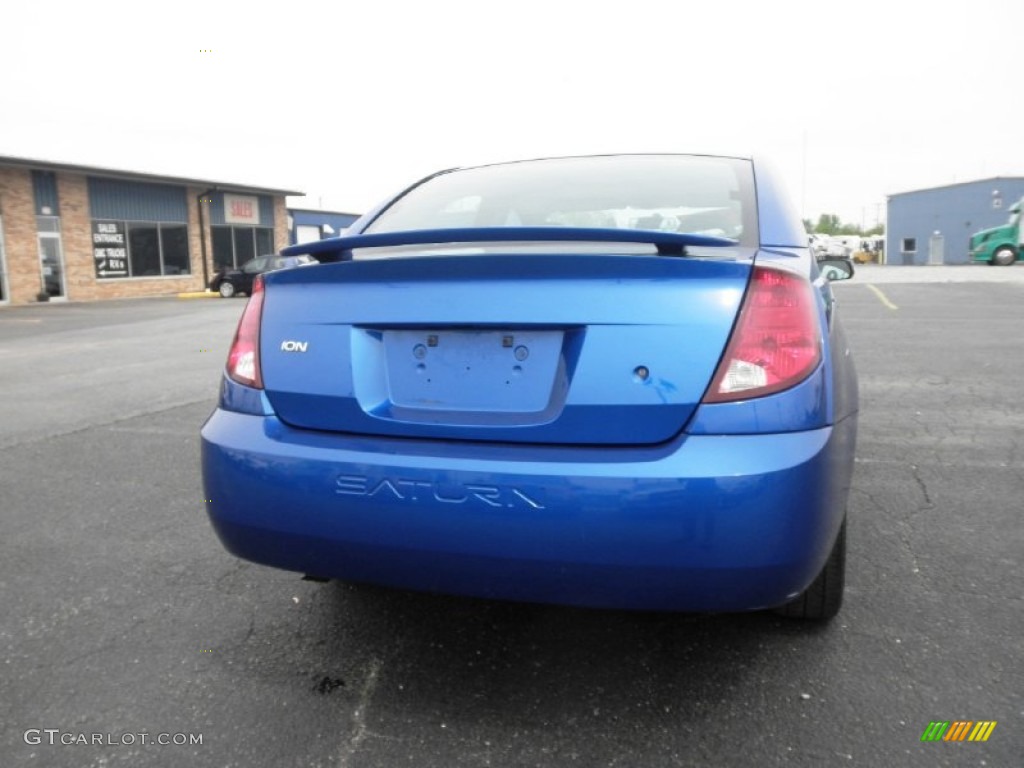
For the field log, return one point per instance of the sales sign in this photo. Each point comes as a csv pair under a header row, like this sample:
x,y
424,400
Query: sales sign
x,y
241,209
109,249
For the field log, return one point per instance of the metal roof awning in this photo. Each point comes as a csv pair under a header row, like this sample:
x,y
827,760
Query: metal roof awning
x,y
153,178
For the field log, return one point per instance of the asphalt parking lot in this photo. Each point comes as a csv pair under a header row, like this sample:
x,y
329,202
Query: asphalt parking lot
x,y
123,616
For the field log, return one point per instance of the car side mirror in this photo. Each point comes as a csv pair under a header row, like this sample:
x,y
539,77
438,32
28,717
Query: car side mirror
x,y
836,269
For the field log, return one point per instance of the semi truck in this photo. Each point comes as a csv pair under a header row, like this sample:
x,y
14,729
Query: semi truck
x,y
999,245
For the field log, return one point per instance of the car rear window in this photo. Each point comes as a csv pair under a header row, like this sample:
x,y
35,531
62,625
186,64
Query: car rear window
x,y
670,193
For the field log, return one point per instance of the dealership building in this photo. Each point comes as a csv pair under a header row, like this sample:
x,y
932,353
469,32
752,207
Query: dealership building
x,y
83,233
934,226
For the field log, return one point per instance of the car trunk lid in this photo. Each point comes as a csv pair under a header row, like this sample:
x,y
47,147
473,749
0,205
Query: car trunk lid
x,y
579,348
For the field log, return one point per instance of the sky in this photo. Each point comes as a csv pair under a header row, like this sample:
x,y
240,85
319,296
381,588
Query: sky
x,y
350,102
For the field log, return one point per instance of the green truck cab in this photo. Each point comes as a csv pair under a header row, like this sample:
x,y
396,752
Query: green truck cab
x,y
999,245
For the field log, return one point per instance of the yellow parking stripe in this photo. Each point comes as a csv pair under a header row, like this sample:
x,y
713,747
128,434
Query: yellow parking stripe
x,y
881,296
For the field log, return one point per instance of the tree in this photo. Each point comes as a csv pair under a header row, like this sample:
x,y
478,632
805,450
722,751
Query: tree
x,y
828,224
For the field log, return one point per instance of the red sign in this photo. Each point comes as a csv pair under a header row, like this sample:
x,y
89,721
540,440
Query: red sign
x,y
241,209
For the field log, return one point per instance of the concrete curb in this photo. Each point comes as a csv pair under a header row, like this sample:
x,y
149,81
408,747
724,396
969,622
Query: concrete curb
x,y
199,295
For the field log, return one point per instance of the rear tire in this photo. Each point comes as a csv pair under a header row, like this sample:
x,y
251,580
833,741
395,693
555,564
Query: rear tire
x,y
227,290
821,601
1004,256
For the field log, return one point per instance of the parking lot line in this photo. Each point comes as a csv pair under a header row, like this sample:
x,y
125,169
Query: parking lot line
x,y
881,296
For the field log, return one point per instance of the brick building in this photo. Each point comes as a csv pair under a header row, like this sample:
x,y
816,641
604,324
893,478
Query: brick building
x,y
82,233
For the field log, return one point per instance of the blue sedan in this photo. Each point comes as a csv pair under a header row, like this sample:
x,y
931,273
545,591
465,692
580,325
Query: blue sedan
x,y
615,381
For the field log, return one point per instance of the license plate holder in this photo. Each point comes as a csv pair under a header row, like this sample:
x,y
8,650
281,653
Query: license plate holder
x,y
472,370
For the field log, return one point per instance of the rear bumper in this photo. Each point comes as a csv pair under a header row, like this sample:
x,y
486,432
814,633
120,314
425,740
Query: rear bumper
x,y
704,523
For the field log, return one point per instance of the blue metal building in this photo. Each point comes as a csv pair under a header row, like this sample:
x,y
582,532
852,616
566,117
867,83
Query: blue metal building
x,y
306,225
934,226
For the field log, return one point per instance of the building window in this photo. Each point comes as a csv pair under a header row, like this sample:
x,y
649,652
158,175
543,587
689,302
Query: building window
x,y
143,250
245,245
174,238
223,248
265,240
140,249
49,224
233,246
909,245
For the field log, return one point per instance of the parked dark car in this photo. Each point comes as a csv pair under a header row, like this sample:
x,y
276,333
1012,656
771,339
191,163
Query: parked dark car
x,y
615,381
229,282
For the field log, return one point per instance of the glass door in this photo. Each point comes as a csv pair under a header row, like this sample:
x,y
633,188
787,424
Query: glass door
x,y
51,264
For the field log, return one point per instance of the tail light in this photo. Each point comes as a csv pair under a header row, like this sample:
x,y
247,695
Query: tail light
x,y
244,357
776,342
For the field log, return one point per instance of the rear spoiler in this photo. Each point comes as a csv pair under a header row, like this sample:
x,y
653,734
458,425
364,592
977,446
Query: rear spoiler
x,y
667,243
